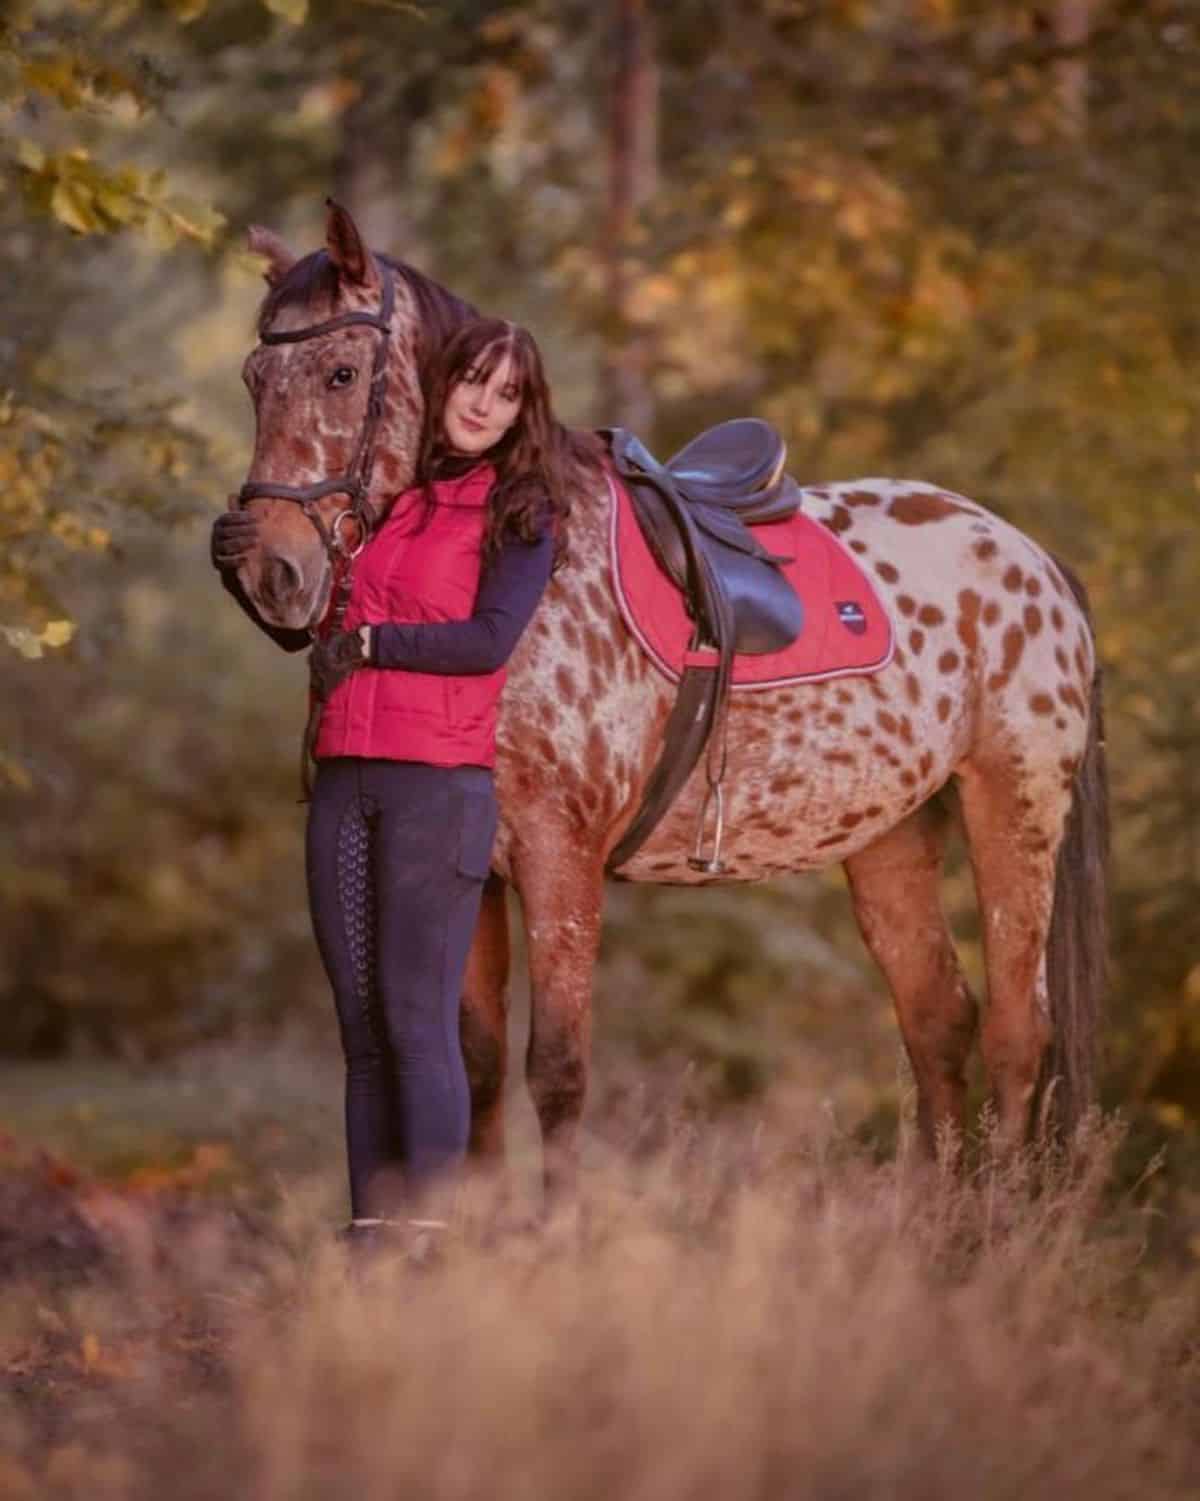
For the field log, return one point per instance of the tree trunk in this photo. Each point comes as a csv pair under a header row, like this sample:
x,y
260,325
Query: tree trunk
x,y
371,165
1072,27
632,179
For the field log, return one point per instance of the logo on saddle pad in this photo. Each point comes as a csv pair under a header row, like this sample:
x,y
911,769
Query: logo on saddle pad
x,y
850,613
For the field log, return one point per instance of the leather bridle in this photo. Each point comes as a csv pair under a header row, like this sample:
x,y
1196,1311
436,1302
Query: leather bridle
x,y
356,481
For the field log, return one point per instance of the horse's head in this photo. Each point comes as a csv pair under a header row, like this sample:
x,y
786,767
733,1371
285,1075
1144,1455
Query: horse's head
x,y
338,406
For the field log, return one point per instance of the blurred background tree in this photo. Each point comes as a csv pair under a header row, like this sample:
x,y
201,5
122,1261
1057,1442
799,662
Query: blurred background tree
x,y
956,239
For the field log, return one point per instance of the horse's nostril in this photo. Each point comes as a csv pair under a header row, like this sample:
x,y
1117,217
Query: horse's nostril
x,y
281,579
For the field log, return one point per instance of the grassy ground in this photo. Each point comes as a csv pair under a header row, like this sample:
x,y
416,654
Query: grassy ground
x,y
748,1307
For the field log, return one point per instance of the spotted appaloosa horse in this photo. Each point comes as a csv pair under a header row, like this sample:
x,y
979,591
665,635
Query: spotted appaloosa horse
x,y
992,688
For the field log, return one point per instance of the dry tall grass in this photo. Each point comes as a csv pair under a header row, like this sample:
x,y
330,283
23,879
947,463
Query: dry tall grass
x,y
733,1315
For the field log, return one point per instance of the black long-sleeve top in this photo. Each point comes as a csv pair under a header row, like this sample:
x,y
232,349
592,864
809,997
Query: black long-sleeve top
x,y
508,595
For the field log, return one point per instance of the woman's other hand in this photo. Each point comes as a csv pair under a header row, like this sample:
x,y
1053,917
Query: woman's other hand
x,y
333,658
234,536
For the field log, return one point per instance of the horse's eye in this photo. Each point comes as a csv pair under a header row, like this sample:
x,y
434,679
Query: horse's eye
x,y
342,377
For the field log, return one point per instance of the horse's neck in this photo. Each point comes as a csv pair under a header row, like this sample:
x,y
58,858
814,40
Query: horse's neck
x,y
404,405
588,537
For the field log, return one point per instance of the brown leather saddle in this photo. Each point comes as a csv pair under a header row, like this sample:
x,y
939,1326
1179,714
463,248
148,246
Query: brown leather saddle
x,y
696,511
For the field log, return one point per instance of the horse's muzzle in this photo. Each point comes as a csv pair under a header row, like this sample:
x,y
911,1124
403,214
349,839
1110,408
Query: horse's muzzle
x,y
281,585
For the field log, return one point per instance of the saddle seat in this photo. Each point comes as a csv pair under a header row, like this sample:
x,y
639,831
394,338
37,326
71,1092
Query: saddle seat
x,y
696,511
737,464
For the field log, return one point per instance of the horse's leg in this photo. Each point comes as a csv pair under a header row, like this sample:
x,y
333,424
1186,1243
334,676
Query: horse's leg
x,y
483,1022
562,891
896,887
1014,815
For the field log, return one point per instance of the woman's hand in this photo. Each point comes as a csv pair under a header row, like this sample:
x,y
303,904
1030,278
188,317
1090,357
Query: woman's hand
x,y
234,536
332,660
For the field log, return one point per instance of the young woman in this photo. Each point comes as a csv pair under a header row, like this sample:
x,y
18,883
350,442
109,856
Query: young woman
x,y
403,813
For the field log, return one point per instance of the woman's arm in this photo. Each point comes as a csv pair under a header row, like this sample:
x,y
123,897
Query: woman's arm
x,y
507,598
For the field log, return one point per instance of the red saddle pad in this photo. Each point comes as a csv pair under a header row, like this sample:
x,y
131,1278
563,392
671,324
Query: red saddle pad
x,y
846,629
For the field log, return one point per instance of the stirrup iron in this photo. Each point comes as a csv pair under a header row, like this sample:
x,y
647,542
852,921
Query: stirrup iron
x,y
714,865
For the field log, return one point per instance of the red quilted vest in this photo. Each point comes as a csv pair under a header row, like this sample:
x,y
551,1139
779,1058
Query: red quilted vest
x,y
407,574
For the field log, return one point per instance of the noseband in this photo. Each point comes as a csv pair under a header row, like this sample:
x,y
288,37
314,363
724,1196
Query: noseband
x,y
356,482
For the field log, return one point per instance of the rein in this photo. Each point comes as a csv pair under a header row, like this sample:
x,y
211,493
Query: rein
x,y
356,481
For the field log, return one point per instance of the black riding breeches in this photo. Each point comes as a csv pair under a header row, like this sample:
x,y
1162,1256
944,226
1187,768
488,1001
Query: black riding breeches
x,y
398,852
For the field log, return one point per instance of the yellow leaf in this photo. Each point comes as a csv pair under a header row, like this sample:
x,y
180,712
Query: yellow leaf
x,y
73,208
18,778
22,640
57,632
30,154
291,10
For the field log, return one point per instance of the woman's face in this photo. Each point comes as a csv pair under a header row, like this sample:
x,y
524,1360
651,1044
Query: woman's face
x,y
480,411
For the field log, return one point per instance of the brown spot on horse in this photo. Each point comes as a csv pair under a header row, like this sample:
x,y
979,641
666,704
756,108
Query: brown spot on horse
x,y
985,550
916,640
887,572
918,508
1013,642
969,605
1013,578
930,615
948,661
1032,617
839,520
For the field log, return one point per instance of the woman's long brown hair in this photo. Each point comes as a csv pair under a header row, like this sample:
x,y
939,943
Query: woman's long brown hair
x,y
536,462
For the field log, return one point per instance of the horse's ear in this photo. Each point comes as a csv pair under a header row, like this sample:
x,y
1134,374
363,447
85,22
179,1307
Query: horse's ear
x,y
346,248
279,258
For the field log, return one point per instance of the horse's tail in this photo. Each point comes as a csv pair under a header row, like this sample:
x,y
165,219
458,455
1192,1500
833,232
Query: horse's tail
x,y
1077,949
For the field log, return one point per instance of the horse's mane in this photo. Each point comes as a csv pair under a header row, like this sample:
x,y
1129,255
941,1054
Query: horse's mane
x,y
439,312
